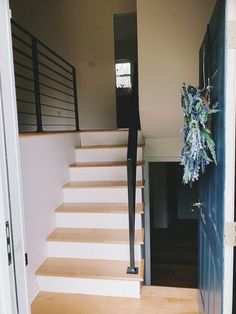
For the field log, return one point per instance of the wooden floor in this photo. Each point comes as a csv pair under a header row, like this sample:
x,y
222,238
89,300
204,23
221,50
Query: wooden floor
x,y
154,300
175,256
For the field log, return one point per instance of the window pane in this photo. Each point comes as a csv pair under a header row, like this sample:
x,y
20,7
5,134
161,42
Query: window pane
x,y
123,68
123,81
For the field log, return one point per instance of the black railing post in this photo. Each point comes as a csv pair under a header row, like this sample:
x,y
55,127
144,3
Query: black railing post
x,y
75,99
36,84
131,203
131,171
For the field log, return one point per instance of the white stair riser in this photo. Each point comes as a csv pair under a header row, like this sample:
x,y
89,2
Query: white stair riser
x,y
97,220
105,251
96,195
106,138
105,154
115,288
102,174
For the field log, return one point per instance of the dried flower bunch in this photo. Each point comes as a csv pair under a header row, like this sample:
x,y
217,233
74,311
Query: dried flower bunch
x,y
199,147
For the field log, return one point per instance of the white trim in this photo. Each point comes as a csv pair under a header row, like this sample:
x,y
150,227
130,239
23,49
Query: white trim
x,y
6,297
12,153
230,103
91,286
97,251
147,227
7,283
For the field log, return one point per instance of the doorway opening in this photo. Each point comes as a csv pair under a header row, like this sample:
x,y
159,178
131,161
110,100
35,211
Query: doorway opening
x,y
126,57
173,227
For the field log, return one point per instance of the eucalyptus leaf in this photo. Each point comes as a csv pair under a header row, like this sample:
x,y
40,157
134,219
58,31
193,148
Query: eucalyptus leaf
x,y
199,147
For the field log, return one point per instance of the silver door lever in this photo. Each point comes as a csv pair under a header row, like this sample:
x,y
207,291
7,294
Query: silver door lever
x,y
198,205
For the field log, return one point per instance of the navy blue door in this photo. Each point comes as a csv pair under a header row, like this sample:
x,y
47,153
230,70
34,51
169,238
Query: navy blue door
x,y
211,218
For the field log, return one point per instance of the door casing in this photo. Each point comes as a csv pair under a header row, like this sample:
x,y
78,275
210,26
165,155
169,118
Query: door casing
x,y
147,225
12,153
230,112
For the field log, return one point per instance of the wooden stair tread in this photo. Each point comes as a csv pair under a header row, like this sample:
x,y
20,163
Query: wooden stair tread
x,y
99,184
103,130
87,268
92,235
107,208
105,146
103,164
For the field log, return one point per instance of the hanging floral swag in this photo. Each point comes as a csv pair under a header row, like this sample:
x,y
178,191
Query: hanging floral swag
x,y
199,147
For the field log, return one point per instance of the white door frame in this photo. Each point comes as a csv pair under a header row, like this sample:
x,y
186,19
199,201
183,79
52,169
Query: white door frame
x,y
11,138
230,111
8,300
147,222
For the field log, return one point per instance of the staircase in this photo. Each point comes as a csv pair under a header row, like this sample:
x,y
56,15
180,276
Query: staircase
x,y
88,252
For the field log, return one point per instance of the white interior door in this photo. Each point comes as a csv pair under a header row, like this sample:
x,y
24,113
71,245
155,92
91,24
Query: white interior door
x,y
15,286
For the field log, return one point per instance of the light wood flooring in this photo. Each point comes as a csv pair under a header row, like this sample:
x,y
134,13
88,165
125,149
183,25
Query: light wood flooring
x,y
154,300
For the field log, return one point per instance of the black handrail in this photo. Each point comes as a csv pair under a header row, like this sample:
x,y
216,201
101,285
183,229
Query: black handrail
x,y
46,87
131,169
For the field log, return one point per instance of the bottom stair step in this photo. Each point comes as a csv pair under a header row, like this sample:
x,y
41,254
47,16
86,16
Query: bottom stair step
x,y
84,276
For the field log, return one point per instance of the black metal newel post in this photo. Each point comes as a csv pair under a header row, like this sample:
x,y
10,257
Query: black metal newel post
x,y
131,171
36,84
131,203
75,100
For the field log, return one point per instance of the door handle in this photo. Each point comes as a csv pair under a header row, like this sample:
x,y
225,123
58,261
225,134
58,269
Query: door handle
x,y
198,205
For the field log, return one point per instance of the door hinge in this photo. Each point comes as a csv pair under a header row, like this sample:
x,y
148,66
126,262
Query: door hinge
x,y
232,34
8,236
26,259
230,234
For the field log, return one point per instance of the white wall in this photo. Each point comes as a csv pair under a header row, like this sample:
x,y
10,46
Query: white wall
x,y
163,149
45,160
170,33
82,31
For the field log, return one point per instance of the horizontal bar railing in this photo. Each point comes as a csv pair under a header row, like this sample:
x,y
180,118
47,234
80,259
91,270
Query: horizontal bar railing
x,y
131,169
46,87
